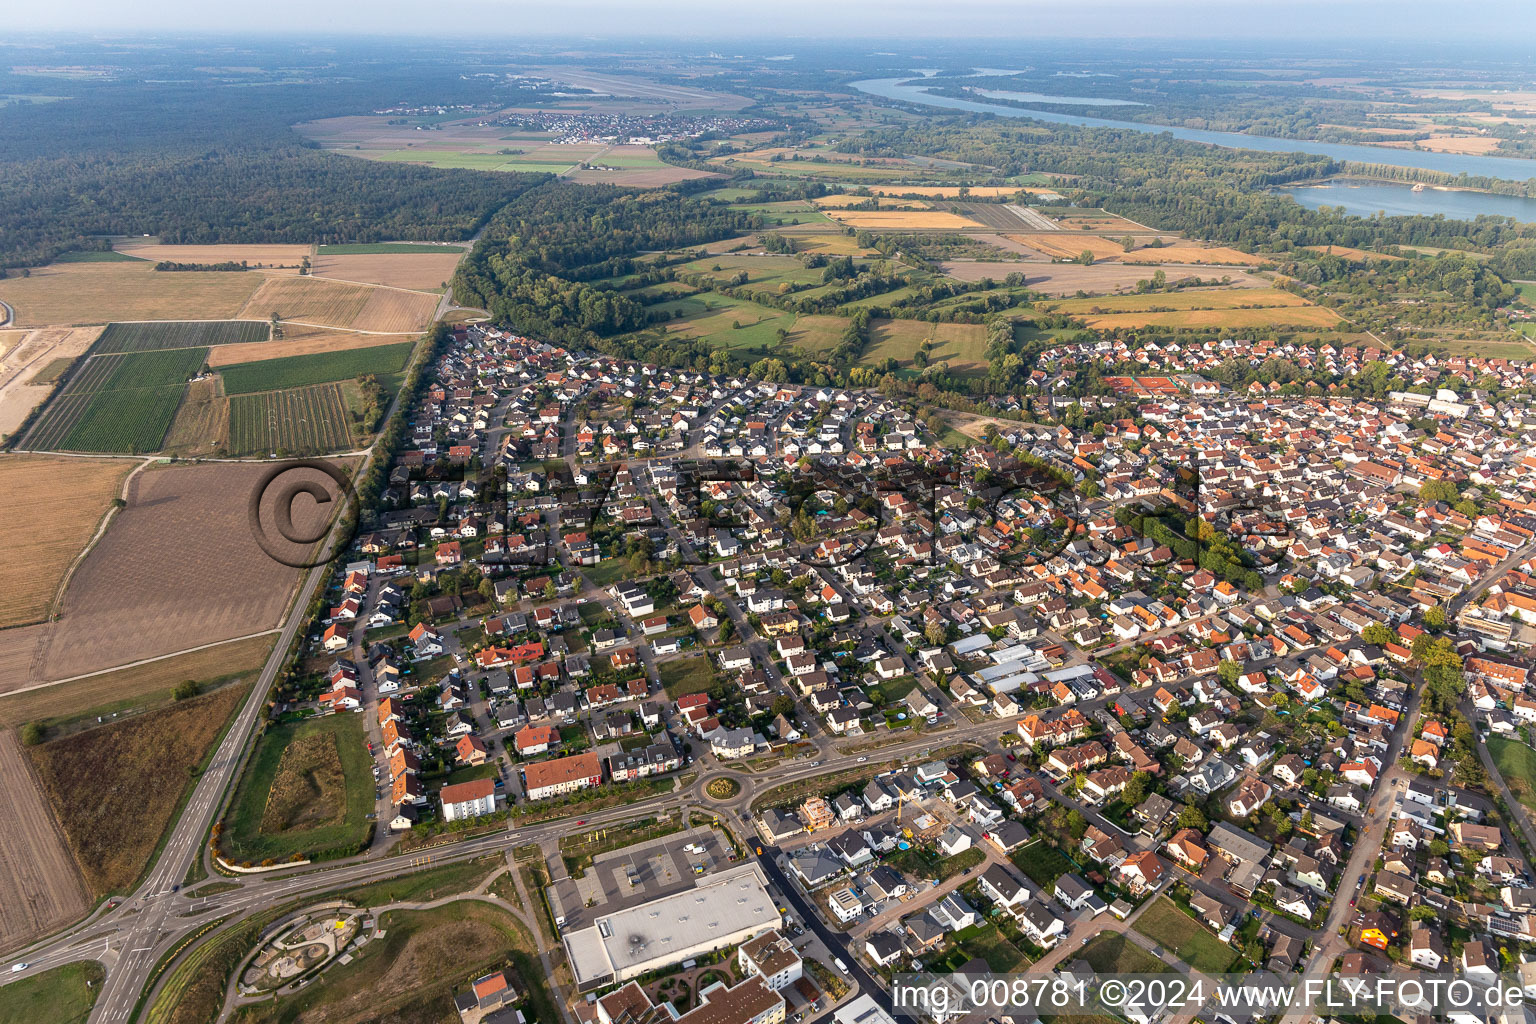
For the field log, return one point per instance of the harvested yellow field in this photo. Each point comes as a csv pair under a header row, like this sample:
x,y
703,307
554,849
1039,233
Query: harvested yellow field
x,y
841,201
295,344
919,220
1067,246
307,299
96,293
389,309
255,255
1268,316
1193,254
1350,253
9,340
50,508
419,271
1189,298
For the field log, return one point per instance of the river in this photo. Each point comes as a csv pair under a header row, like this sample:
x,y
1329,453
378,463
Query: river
x,y
1452,163
1366,198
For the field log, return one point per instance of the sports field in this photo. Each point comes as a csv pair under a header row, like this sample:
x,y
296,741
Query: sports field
x,y
310,420
319,368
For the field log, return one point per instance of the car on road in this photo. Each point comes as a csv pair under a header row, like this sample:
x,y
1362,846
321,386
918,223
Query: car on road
x,y
1011,756
18,968
1360,880
583,821
863,759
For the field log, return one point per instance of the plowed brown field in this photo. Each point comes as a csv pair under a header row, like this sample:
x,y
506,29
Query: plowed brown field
x,y
40,887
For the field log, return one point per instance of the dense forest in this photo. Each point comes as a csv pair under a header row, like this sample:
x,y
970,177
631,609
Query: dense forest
x,y
540,250
201,163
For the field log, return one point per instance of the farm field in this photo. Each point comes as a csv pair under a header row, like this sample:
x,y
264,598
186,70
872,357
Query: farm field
x,y
316,368
1069,246
384,248
308,788
96,293
120,402
953,191
1187,298
1350,253
1186,253
141,337
332,303
961,346
311,420
40,886
1267,316
1115,954
113,830
423,271
916,220
1062,279
256,255
38,360
1193,942
201,424
842,200
136,688
178,568
50,508
296,341
393,311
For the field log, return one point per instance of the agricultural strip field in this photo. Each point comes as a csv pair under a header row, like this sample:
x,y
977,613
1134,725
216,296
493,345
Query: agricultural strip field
x,y
319,368
96,293
1350,253
385,248
113,830
309,420
256,254
177,569
1069,278
391,310
40,886
49,508
133,689
307,789
1068,246
915,220
422,271
1188,298
1217,254
184,334
1268,316
121,402
296,341
120,371
201,426
1002,217
332,303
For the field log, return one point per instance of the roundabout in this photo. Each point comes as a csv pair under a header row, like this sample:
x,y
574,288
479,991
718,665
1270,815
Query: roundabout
x,y
722,787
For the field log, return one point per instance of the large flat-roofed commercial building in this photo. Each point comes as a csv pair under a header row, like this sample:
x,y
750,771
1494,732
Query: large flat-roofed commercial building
x,y
722,910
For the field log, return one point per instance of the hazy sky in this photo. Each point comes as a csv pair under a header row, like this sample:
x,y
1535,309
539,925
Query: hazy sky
x,y
1500,23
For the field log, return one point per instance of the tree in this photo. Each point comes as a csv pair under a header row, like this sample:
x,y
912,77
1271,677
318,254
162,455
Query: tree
x,y
784,705
1378,634
551,591
1438,490
935,633
1228,671
185,690
1085,257
1136,790
1193,817
487,589
32,734
1435,618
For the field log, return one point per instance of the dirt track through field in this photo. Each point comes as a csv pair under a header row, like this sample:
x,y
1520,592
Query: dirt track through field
x,y
40,887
